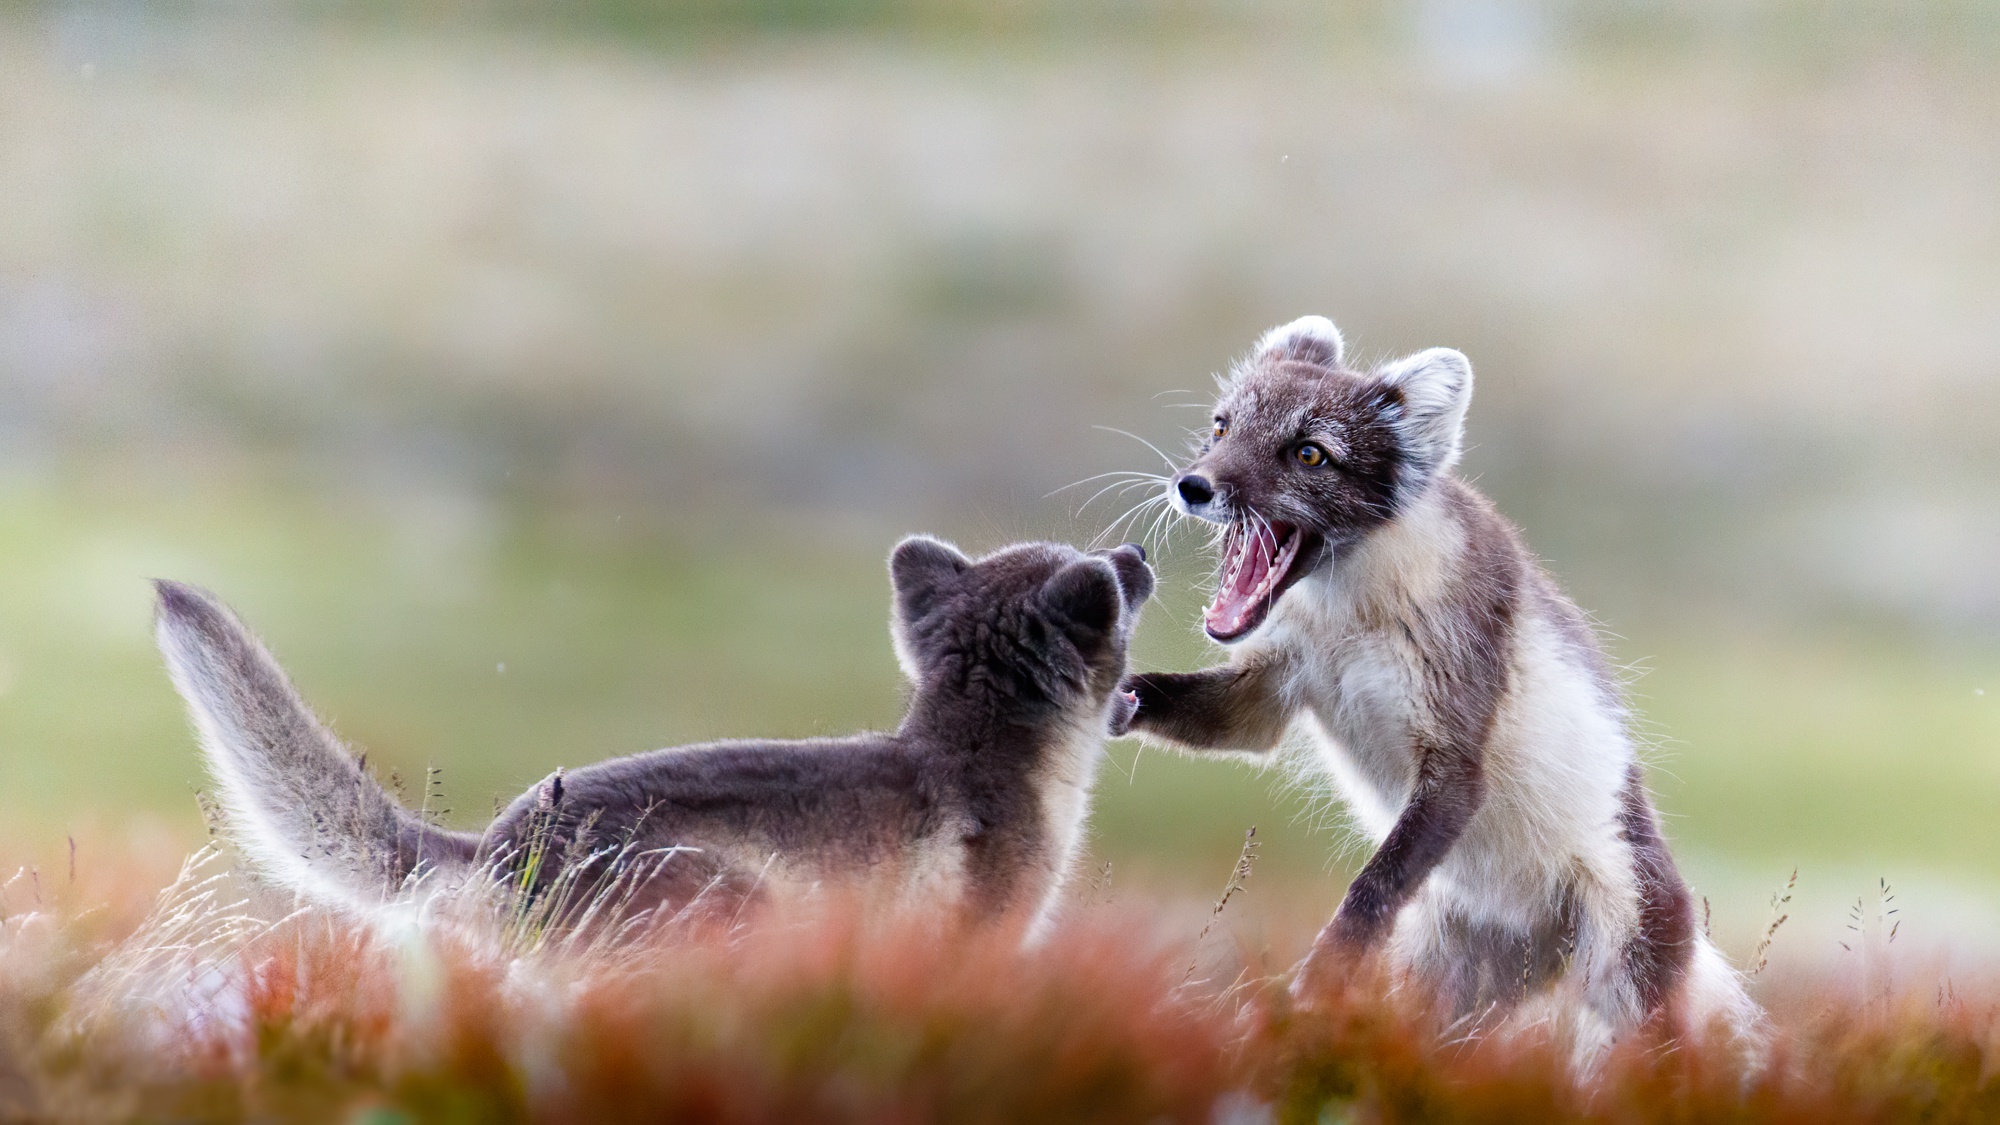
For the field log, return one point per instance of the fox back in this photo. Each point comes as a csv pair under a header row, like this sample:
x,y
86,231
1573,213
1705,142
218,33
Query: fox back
x,y
976,801
1459,702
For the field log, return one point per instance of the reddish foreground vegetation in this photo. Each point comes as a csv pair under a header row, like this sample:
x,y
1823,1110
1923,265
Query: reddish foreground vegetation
x,y
196,1005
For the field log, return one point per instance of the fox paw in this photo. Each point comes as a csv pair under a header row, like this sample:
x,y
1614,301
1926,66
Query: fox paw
x,y
1124,705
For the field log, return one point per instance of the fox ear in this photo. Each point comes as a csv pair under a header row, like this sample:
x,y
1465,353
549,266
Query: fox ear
x,y
922,570
1436,388
1085,599
1309,339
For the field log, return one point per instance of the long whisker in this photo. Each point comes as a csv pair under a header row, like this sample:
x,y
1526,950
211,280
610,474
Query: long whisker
x,y
1126,516
1163,526
1093,496
1101,476
1145,537
1138,512
1171,468
1253,526
1271,592
1118,519
1121,487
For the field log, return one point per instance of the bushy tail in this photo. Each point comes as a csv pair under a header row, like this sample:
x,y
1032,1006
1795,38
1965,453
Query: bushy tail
x,y
301,807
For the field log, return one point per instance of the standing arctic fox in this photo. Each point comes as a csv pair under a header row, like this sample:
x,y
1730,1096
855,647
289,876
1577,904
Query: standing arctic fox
x,y
977,801
1460,702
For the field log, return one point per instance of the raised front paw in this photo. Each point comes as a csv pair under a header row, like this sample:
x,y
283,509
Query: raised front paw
x,y
1124,708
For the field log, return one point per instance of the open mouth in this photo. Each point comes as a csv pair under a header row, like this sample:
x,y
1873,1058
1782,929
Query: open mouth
x,y
1259,563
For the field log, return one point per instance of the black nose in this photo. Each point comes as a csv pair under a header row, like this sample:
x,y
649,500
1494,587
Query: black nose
x,y
1195,490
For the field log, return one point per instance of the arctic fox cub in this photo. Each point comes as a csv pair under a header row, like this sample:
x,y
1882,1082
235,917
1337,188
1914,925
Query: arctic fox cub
x,y
1459,701
976,802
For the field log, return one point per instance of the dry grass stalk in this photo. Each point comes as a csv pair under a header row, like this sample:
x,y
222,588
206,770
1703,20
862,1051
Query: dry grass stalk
x,y
1761,956
832,1011
1246,861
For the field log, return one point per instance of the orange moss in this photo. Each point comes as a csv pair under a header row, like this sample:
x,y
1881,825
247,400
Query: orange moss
x,y
833,1014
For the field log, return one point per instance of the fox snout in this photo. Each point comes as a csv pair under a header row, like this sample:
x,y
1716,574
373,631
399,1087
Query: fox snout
x,y
1194,489
1199,495
1135,577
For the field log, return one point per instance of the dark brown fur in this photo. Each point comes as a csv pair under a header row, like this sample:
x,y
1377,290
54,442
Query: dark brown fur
x,y
1465,675
1662,948
1392,438
1014,656
1297,402
1231,707
1003,665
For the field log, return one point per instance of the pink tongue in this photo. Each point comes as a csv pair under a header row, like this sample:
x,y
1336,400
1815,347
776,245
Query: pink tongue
x,y
1243,575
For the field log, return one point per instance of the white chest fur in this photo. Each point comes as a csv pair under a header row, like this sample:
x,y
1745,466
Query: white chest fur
x,y
1355,679
1062,787
1556,755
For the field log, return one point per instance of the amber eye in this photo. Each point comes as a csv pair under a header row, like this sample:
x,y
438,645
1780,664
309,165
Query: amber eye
x,y
1221,428
1310,455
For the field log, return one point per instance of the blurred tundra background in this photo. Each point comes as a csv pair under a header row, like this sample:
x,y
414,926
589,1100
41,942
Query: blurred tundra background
x,y
547,381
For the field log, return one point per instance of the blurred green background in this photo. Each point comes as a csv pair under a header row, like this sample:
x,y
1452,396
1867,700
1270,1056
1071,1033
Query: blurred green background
x,y
548,381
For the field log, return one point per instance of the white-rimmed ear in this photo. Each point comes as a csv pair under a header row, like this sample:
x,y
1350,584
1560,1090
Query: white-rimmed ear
x,y
1309,339
1436,387
922,571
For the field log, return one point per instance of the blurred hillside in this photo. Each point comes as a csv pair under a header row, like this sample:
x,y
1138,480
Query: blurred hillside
x,y
397,322
1728,280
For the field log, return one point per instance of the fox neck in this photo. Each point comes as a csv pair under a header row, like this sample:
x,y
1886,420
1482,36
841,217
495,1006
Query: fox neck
x,y
999,733
945,722
1406,560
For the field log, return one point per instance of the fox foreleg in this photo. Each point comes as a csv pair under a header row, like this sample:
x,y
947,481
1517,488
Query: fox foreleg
x,y
1449,789
1231,707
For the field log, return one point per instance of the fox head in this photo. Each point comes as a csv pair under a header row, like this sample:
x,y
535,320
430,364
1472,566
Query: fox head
x,y
1304,457
1041,625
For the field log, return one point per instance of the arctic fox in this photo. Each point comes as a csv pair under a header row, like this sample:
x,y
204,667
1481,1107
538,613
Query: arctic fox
x,y
977,802
1460,702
